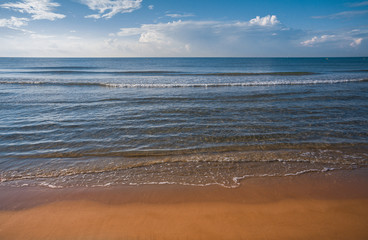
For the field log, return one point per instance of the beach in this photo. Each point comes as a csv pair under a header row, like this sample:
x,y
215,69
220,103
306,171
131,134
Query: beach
x,y
183,120
330,205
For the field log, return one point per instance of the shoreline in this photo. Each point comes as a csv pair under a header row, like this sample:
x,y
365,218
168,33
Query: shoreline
x,y
331,205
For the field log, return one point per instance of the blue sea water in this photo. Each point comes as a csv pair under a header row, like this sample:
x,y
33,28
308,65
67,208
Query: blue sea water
x,y
200,121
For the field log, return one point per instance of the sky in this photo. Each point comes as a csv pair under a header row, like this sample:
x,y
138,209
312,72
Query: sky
x,y
183,28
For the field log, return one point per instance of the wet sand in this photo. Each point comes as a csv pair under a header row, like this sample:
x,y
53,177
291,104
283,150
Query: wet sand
x,y
332,205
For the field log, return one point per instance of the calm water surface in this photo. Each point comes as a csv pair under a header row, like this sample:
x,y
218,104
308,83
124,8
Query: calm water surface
x,y
198,121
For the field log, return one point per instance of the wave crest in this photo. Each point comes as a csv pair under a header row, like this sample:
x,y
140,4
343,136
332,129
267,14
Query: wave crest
x,y
184,85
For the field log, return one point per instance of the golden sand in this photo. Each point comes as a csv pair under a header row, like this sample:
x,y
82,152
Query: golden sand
x,y
315,206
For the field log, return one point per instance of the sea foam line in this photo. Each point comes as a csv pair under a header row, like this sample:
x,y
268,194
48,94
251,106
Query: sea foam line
x,y
185,85
247,84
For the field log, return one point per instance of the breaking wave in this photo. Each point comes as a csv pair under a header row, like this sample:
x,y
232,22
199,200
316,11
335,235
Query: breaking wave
x,y
183,85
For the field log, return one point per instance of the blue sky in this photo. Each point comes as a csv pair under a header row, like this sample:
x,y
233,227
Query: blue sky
x,y
190,28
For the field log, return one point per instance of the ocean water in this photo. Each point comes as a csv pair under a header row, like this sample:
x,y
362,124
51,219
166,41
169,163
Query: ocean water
x,y
67,122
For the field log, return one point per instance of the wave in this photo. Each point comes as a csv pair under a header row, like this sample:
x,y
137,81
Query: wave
x,y
50,83
233,182
85,70
62,72
62,67
200,169
254,74
185,85
228,174
98,72
244,84
353,153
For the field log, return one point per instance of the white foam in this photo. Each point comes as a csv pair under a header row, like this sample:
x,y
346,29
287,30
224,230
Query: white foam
x,y
246,84
326,169
187,85
184,184
49,185
302,172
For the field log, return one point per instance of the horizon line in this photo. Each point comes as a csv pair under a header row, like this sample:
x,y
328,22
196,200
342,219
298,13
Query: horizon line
x,y
197,57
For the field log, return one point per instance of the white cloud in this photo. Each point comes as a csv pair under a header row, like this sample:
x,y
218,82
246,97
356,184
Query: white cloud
x,y
95,16
356,42
310,42
13,22
264,21
38,9
111,7
314,40
153,36
177,15
341,40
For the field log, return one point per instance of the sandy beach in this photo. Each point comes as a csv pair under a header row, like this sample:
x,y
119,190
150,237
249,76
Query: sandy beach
x,y
332,205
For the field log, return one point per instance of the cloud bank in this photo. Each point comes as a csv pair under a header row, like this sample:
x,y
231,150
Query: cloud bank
x,y
203,38
260,36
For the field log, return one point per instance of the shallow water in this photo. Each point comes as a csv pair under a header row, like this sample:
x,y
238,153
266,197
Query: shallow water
x,y
198,121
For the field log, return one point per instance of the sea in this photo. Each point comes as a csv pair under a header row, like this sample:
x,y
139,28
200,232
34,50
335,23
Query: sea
x,y
92,122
